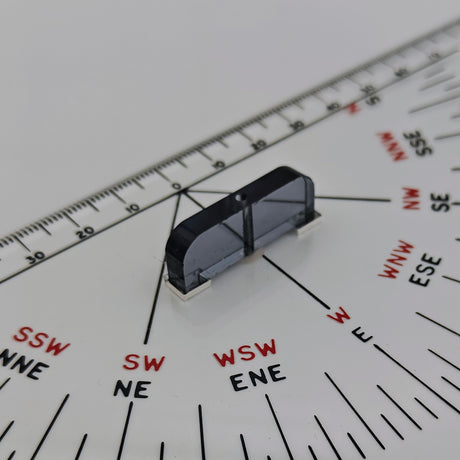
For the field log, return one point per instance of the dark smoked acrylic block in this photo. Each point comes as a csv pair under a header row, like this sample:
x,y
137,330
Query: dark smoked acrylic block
x,y
208,242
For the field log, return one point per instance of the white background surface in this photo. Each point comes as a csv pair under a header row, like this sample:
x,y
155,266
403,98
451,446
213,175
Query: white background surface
x,y
91,91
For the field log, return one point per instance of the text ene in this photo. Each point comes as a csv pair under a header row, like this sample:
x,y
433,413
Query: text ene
x,y
260,376
246,353
40,339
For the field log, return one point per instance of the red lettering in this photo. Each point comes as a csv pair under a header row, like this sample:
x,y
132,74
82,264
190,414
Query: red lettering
x,y
56,348
392,146
386,136
242,351
411,193
389,273
339,316
153,363
225,358
411,205
24,334
404,247
399,156
396,260
267,348
132,362
353,108
39,341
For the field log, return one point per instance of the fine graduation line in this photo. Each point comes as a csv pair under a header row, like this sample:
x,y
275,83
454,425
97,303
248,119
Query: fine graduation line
x,y
312,452
426,407
435,103
444,359
444,400
368,428
450,278
301,286
352,439
5,382
329,440
392,427
125,431
5,431
286,445
82,445
200,420
243,446
50,427
399,407
438,324
450,383
159,280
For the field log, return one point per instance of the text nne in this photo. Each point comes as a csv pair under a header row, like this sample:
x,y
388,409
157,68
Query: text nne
x,y
245,353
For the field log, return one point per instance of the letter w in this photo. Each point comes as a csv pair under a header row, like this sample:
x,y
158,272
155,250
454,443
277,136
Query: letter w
x,y
404,247
56,348
411,192
225,358
153,363
267,348
339,316
389,273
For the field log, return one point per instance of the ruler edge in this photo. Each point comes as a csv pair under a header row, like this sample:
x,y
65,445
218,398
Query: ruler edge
x,y
25,229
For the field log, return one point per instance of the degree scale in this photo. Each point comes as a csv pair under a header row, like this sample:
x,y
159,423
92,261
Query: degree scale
x,y
341,343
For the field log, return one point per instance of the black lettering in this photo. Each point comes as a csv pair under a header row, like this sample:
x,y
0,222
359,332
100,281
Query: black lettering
x,y
430,260
125,389
236,381
21,363
36,370
140,388
360,335
418,281
6,358
274,371
254,377
423,268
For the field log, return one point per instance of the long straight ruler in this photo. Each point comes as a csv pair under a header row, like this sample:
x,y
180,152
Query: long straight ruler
x,y
65,228
339,344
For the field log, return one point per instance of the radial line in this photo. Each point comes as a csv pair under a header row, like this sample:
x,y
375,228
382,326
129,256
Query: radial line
x,y
301,286
437,323
368,428
286,445
50,427
125,431
417,378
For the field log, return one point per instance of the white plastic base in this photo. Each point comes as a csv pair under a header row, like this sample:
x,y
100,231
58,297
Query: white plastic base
x,y
306,228
189,294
